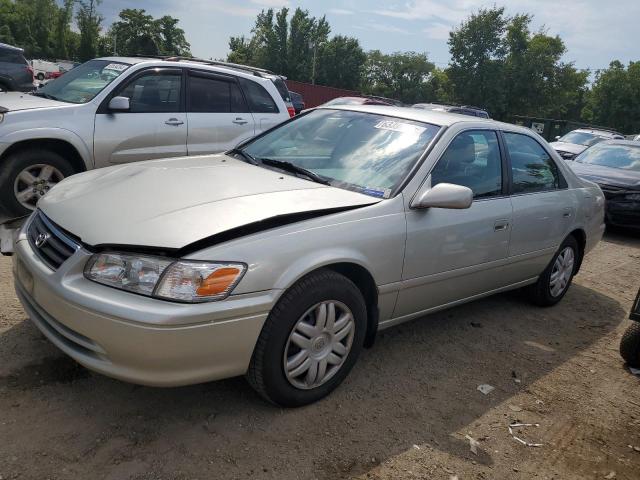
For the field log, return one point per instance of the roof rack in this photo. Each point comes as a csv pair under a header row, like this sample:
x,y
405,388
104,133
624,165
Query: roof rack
x,y
236,66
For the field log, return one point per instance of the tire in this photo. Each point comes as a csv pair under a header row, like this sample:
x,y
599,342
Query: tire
x,y
300,304
630,345
541,293
34,159
40,76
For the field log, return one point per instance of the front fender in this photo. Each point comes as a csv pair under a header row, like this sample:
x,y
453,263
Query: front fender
x,y
49,133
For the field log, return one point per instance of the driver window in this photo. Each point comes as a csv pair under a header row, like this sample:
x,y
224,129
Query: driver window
x,y
472,160
154,93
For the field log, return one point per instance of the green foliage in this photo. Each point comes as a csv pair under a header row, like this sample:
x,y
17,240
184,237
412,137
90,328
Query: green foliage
x,y
88,20
614,99
299,48
499,64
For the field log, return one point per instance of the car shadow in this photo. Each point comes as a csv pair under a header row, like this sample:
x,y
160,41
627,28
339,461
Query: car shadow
x,y
416,386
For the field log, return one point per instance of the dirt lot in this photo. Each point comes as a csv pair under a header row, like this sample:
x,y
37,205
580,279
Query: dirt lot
x,y
404,411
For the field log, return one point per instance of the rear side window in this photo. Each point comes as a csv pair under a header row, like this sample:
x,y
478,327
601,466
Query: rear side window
x,y
532,168
12,56
211,95
259,99
282,89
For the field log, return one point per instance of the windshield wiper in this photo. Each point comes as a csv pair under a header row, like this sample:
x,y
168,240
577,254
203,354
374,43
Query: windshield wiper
x,y
244,155
291,167
44,95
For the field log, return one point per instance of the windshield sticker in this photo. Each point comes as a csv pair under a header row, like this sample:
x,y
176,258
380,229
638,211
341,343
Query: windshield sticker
x,y
118,67
375,192
401,127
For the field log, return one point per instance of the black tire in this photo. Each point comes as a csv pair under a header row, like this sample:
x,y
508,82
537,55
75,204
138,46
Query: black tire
x,y
40,76
266,371
3,87
16,163
630,345
540,292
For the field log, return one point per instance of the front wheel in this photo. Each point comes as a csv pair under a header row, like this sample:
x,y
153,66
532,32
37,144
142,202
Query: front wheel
x,y
554,282
310,341
27,175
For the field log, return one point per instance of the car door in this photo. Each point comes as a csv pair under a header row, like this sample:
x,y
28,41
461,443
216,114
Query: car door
x,y
265,111
455,254
542,208
219,116
155,126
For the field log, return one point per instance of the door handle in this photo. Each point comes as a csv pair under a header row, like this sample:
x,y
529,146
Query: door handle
x,y
566,213
174,122
501,225
240,121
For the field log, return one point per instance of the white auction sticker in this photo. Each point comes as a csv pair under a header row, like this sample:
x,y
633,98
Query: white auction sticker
x,y
119,67
400,127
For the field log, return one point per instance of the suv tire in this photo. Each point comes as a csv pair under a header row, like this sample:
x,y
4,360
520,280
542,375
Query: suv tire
x,y
31,161
298,313
561,269
630,345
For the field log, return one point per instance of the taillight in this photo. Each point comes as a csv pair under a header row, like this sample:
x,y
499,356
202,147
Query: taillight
x,y
292,111
30,70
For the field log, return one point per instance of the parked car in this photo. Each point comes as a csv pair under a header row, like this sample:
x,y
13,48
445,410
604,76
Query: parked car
x,y
116,110
282,258
615,166
461,109
577,141
297,101
15,72
43,69
357,101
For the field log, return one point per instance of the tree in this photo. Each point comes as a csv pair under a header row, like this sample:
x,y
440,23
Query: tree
x,y
172,40
340,63
614,99
63,29
89,21
136,33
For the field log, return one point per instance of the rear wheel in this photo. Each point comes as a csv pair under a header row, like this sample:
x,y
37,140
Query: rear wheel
x,y
554,282
40,76
27,175
310,341
630,345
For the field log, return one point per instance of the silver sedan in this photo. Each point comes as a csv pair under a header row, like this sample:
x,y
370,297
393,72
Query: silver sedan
x,y
281,259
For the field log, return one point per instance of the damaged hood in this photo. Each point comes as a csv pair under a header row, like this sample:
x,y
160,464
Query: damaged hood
x,y
568,147
175,202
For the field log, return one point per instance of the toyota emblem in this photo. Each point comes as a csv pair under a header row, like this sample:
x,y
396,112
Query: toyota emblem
x,y
42,239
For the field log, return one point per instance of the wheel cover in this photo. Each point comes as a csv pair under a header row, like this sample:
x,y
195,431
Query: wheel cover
x,y
33,182
319,344
562,272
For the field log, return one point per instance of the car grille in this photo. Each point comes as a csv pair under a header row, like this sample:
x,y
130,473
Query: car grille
x,y
49,242
611,192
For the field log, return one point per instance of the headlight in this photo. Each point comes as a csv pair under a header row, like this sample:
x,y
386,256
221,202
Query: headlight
x,y
633,196
178,280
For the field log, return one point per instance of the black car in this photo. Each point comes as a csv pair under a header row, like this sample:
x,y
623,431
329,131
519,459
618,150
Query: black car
x,y
615,166
297,100
460,109
15,71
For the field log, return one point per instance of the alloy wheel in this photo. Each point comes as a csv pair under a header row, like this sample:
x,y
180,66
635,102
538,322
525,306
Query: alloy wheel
x,y
33,182
319,344
562,272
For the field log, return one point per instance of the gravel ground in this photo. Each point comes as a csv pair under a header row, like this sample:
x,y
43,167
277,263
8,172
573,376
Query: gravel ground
x,y
404,412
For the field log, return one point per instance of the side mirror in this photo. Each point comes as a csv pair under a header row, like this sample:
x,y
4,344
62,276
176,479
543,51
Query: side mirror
x,y
443,195
557,137
119,104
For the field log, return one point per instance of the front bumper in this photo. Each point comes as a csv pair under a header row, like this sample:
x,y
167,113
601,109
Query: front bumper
x,y
135,338
623,213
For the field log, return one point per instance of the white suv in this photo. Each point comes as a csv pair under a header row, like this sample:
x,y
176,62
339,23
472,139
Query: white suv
x,y
116,110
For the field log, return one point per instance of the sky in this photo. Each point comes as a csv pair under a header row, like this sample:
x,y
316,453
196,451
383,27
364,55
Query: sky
x,y
594,32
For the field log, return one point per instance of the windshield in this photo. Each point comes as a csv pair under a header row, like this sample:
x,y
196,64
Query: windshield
x,y
581,138
626,157
83,83
358,151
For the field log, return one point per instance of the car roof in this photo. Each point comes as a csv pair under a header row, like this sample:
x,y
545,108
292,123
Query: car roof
x,y
11,47
434,117
616,141
596,131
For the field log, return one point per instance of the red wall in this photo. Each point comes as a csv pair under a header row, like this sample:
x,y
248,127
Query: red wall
x,y
315,95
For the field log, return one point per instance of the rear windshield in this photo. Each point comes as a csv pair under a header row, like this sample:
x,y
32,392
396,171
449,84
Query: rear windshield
x,y
8,55
581,138
282,89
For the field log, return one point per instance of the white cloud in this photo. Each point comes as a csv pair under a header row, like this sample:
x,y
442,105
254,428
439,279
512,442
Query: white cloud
x,y
438,31
340,11
271,3
384,27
